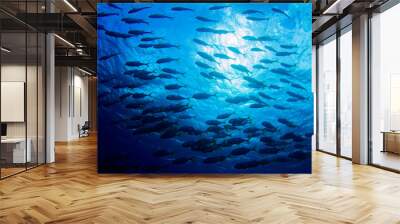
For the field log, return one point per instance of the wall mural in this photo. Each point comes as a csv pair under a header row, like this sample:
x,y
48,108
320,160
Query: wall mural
x,y
204,88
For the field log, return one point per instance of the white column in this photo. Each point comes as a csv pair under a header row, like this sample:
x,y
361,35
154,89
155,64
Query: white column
x,y
360,90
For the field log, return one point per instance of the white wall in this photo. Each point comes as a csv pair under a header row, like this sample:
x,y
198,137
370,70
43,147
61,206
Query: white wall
x,y
71,94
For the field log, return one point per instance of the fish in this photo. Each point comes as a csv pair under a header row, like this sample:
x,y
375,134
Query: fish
x,y
173,87
144,76
148,39
218,75
162,153
166,76
206,75
106,14
136,105
135,10
270,48
258,105
218,7
139,95
118,34
250,38
252,18
166,60
237,99
124,96
222,56
145,45
134,63
134,21
202,65
214,159
175,97
267,61
265,96
280,107
206,56
214,31
266,38
246,165
240,151
172,71
181,9
288,46
239,121
106,57
204,145
234,50
281,71
204,19
233,141
284,80
291,136
202,96
256,49
297,86
284,53
137,71
185,116
269,127
252,11
138,32
286,122
224,115
268,151
165,45
213,122
189,130
280,12
115,6
240,68
201,42
259,66
273,86
160,16
295,95
287,65
255,83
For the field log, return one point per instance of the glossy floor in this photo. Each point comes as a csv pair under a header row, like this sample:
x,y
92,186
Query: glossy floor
x,y
70,191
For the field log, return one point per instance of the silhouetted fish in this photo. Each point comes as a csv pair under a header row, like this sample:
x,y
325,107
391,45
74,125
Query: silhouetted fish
x,y
138,32
267,61
259,66
265,96
269,127
218,75
214,31
175,97
118,35
234,50
106,57
147,39
106,14
222,56
172,71
239,121
202,96
115,6
280,107
204,19
189,130
240,68
165,45
200,42
255,83
173,86
145,45
134,21
288,46
240,151
182,160
252,18
268,151
297,86
237,99
252,11
181,9
284,53
224,115
166,60
160,16
281,71
286,122
250,38
280,12
134,10
270,48
134,63
218,7
202,65
256,49
206,56
213,122
298,96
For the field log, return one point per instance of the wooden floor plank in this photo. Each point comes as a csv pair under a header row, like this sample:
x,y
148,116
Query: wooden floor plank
x,y
71,191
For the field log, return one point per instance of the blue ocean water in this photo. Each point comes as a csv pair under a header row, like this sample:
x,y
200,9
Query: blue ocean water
x,y
204,88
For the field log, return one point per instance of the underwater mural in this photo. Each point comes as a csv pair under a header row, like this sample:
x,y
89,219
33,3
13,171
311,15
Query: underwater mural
x,y
204,88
